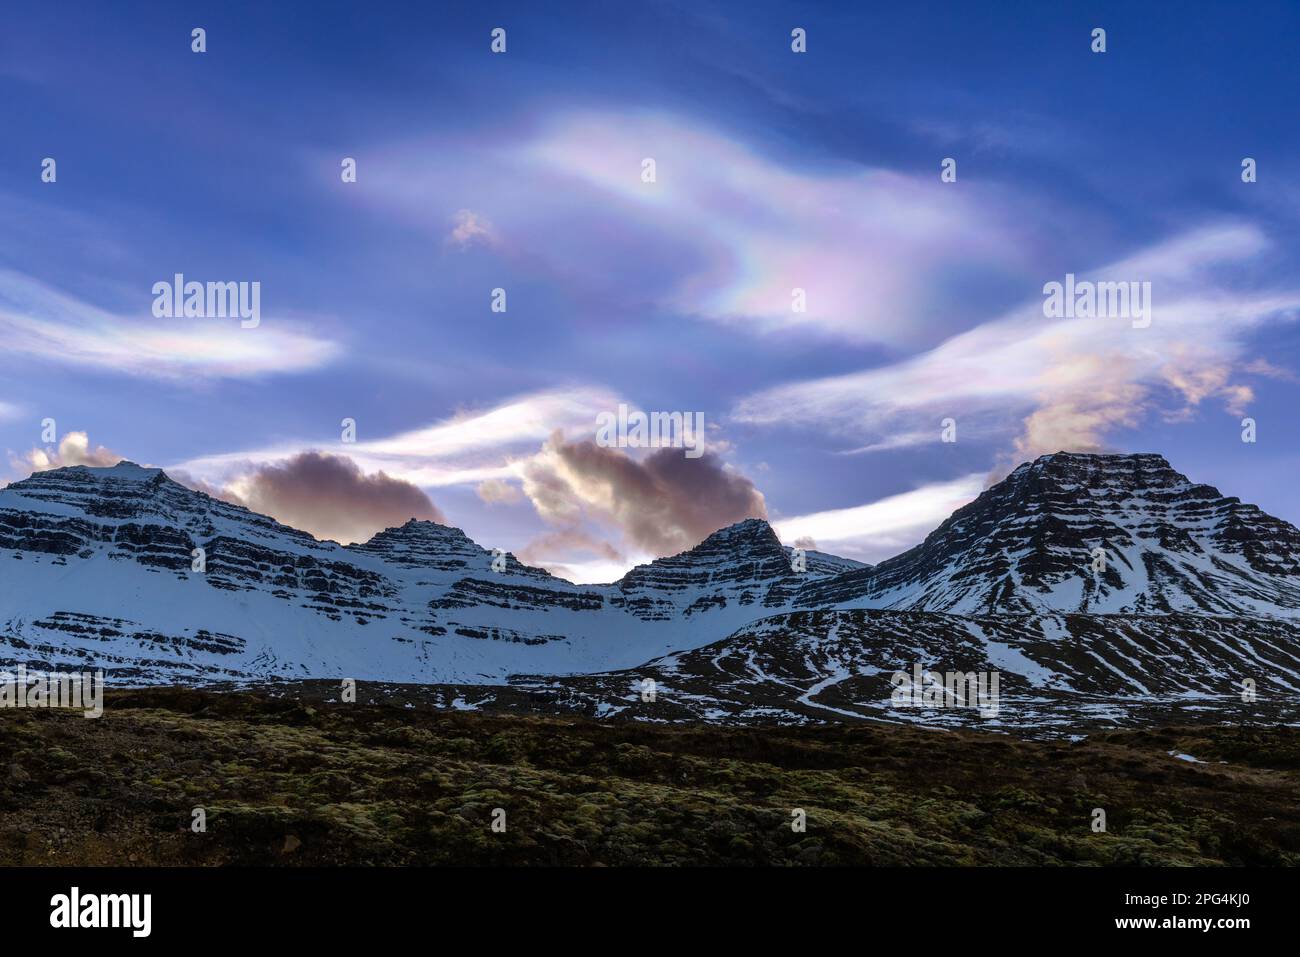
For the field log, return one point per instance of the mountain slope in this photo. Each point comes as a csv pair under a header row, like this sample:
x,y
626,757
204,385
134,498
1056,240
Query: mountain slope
x,y
1199,593
96,568
1055,673
1028,545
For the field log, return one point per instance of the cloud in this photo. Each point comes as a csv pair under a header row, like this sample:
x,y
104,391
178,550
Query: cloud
x,y
1262,367
563,543
9,411
537,447
326,495
725,233
899,440
1044,385
498,492
330,497
868,246
471,228
663,503
44,324
884,528
73,449
467,448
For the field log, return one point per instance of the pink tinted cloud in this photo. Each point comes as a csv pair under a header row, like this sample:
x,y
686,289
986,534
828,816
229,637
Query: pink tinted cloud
x,y
726,231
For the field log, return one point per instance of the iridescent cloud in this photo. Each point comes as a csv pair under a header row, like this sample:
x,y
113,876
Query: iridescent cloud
x,y
1048,385
44,324
724,233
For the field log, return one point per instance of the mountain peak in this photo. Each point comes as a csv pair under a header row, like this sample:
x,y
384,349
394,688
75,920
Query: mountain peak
x,y
738,563
123,471
1059,462
749,529
1091,533
422,543
425,528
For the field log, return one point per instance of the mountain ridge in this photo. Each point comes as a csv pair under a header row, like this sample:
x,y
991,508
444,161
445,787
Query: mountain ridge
x,y
1028,544
96,571
111,552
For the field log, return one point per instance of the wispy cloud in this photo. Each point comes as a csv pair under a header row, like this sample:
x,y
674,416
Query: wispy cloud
x,y
1052,384
866,245
882,529
467,448
725,233
50,326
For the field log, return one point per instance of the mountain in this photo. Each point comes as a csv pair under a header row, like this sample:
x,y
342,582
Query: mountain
x,y
1199,592
1027,545
96,568
744,565
1058,674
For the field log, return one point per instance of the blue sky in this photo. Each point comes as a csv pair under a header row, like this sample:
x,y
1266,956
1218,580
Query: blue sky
x,y
775,170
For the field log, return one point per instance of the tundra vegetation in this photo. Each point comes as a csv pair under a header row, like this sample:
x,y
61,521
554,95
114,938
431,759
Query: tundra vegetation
x,y
289,777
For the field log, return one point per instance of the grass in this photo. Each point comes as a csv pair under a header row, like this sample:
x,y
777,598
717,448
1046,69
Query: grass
x,y
284,782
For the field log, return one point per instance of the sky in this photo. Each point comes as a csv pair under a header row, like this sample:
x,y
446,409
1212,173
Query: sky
x,y
524,171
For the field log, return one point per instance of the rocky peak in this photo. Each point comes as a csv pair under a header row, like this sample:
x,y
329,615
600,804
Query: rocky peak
x,y
737,564
1029,542
130,494
423,544
1097,472
748,549
752,536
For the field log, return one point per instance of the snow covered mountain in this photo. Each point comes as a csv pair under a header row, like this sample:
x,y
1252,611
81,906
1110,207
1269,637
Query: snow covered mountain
x,y
97,568
1198,592
1028,545
744,565
1057,673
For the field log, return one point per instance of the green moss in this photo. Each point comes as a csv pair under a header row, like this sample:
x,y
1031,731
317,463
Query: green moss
x,y
287,784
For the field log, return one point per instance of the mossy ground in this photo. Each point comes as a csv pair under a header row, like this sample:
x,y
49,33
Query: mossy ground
x,y
287,782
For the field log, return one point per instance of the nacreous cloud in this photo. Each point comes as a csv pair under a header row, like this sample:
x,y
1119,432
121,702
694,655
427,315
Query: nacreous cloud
x,y
46,325
1041,384
725,232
